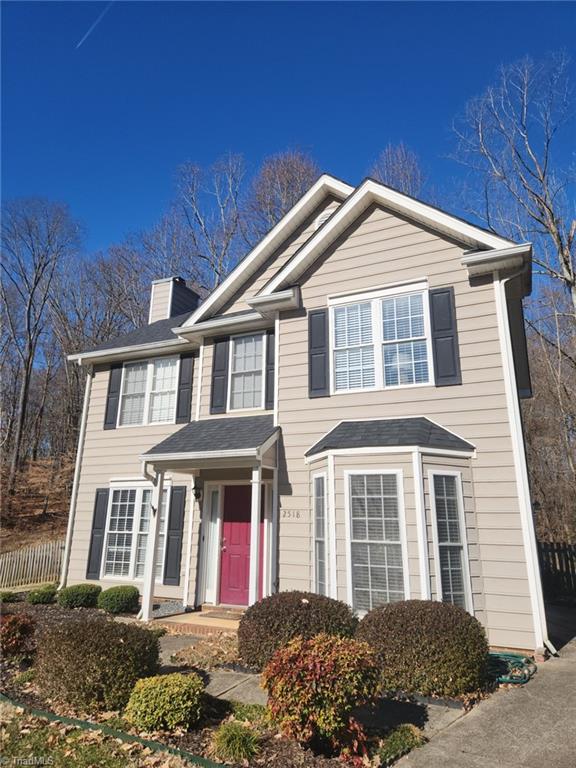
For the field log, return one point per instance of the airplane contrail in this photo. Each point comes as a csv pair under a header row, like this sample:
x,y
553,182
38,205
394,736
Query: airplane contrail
x,y
95,24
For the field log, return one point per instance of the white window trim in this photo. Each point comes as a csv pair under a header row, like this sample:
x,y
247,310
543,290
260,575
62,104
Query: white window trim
x,y
149,378
260,407
324,477
139,486
375,297
401,524
463,535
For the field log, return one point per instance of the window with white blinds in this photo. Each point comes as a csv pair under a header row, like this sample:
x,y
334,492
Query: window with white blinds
x,y
247,372
353,347
320,533
383,341
127,530
148,394
451,565
375,540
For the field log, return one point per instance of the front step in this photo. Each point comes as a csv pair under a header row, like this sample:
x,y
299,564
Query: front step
x,y
200,623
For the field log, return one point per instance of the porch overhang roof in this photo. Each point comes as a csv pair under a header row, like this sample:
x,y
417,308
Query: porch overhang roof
x,y
239,437
390,434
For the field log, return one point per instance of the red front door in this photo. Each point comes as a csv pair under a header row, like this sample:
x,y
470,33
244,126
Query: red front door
x,y
235,546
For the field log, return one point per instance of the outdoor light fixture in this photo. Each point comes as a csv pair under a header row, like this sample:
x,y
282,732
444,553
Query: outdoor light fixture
x,y
197,491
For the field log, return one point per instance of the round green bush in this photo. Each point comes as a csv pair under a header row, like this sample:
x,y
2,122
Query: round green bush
x,y
166,702
234,742
314,684
274,621
16,635
123,599
91,662
79,596
44,595
427,647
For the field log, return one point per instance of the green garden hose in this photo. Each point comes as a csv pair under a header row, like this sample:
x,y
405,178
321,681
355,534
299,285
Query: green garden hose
x,y
511,668
85,725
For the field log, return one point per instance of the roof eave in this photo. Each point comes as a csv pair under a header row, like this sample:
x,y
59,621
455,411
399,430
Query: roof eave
x,y
126,353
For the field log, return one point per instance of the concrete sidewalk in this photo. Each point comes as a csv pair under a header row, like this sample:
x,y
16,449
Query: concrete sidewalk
x,y
528,727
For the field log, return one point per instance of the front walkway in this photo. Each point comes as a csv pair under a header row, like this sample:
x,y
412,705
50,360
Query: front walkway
x,y
527,727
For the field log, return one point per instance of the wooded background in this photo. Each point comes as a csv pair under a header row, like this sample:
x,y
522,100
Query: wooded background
x,y
57,299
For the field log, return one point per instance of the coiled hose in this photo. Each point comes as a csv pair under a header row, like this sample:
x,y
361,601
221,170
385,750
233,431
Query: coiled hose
x,y
511,668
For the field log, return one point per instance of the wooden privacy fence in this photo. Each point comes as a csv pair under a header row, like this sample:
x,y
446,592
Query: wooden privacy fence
x,y
558,569
32,565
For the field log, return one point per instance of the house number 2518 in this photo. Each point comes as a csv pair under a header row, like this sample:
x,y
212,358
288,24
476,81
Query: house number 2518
x,y
290,514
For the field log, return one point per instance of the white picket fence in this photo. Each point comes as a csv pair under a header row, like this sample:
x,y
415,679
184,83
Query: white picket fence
x,y
31,565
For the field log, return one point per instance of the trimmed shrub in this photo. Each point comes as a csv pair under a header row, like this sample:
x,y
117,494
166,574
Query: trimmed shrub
x,y
10,597
79,596
256,714
271,623
44,595
92,662
166,702
314,684
234,742
120,600
427,647
399,742
16,633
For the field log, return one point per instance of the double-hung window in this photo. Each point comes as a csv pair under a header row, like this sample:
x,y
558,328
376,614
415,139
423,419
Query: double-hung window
x,y
247,372
375,539
149,392
319,482
127,529
451,560
382,340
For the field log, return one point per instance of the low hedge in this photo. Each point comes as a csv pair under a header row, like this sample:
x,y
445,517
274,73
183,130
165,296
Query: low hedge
x,y
44,595
91,662
123,599
271,623
10,597
427,647
79,596
16,635
166,702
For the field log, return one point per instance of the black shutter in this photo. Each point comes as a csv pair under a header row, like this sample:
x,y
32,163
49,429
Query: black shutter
x,y
269,392
445,337
184,400
219,393
97,535
174,536
318,376
113,397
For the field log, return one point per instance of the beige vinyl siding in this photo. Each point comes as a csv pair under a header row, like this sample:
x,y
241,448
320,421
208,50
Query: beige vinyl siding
x,y
160,300
279,258
382,248
113,454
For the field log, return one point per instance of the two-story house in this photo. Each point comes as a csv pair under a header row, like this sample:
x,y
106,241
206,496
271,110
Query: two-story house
x,y
340,415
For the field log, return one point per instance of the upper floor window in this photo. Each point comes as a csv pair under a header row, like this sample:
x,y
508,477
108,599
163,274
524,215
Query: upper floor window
x,y
381,341
148,394
247,372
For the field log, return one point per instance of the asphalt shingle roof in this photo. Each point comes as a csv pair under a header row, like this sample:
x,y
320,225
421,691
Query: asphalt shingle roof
x,y
147,334
227,434
390,433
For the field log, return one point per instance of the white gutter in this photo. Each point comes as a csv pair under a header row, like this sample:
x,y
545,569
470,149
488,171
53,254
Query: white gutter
x,y
219,324
104,355
483,262
287,299
76,481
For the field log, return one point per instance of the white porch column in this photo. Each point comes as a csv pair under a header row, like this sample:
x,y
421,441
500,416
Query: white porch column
x,y
256,484
273,545
152,546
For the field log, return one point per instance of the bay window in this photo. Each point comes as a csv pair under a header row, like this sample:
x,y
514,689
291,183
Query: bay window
x,y
148,394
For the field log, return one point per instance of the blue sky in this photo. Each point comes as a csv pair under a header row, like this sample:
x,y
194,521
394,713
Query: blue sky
x,y
103,126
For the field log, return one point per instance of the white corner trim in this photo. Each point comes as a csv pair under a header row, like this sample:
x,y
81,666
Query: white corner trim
x,y
76,481
151,302
421,527
369,192
325,185
520,465
331,516
276,367
190,516
170,297
200,376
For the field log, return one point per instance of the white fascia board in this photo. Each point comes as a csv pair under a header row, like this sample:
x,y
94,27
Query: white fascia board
x,y
152,458
325,185
372,192
126,353
287,299
368,450
223,323
484,262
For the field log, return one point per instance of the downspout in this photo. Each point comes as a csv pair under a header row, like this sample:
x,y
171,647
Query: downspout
x,y
76,481
519,451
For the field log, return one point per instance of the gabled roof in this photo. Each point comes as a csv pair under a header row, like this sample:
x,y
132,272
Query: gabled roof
x,y
369,192
325,186
417,431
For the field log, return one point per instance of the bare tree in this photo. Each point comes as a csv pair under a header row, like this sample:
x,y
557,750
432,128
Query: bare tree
x,y
279,184
211,205
398,166
36,236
